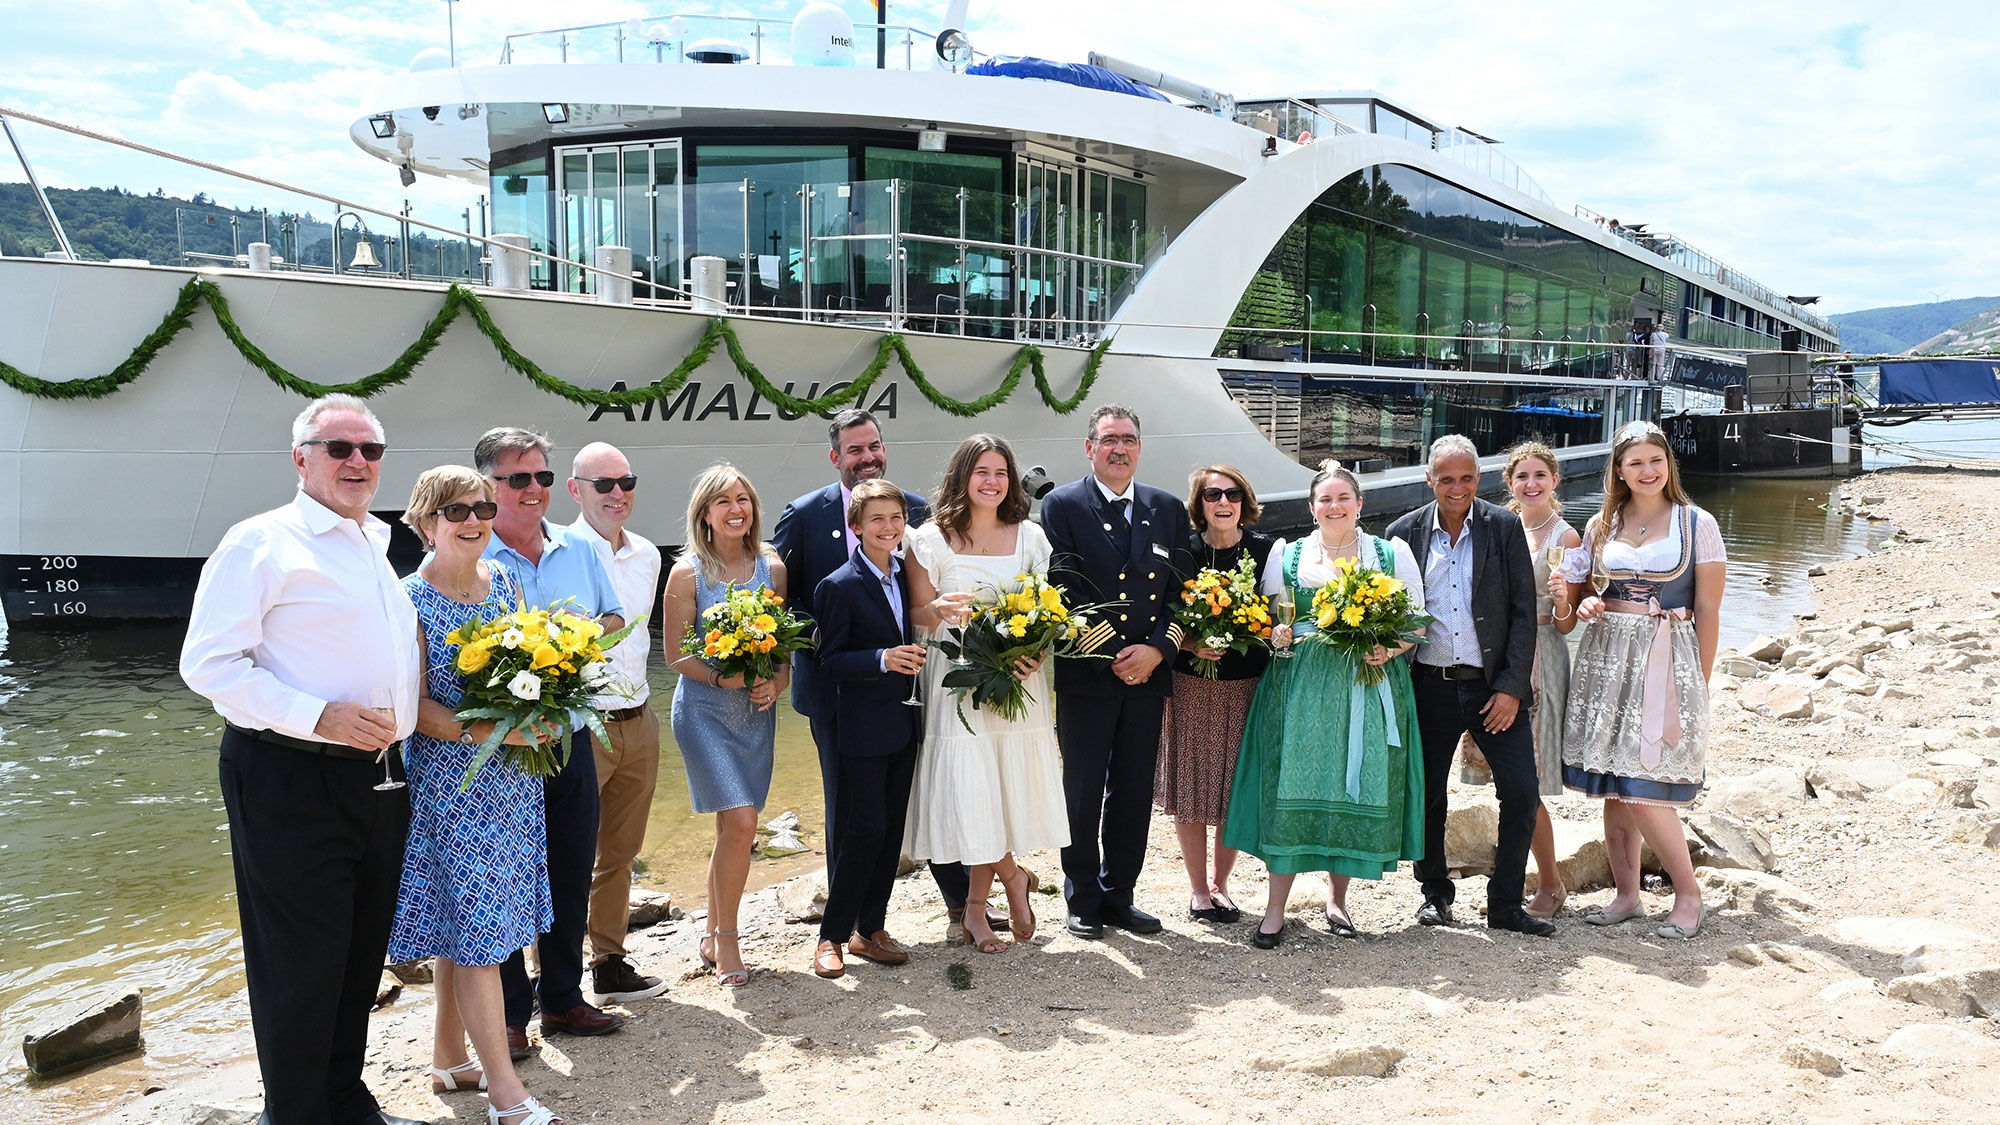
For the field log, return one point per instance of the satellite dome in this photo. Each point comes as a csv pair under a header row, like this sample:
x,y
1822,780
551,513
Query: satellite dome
x,y
822,35
431,58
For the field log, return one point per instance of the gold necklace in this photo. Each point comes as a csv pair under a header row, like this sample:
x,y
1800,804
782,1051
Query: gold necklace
x,y
463,594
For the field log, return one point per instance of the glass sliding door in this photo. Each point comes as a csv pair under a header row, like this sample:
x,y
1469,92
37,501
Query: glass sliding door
x,y
621,195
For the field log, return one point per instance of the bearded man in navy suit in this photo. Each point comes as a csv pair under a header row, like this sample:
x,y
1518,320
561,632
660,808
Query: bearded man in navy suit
x,y
1120,542
813,540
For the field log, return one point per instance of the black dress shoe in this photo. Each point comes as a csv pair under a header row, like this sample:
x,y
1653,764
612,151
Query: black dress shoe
x,y
1131,919
1525,924
1434,912
1262,940
1086,926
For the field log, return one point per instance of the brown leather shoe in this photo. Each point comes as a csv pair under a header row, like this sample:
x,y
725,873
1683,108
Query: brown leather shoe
x,y
879,948
827,962
517,1043
582,1020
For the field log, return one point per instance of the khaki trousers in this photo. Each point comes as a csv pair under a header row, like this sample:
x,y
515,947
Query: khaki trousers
x,y
625,779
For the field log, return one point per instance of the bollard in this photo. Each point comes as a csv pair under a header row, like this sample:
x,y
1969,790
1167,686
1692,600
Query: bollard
x,y
707,281
510,264
260,256
612,290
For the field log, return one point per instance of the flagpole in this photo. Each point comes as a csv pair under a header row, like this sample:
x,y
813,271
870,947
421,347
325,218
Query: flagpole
x,y
881,34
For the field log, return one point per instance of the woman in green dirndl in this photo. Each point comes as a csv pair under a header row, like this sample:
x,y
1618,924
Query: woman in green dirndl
x,y
1314,790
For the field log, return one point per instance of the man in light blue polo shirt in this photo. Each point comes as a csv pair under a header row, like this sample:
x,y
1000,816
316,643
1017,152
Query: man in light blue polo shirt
x,y
551,563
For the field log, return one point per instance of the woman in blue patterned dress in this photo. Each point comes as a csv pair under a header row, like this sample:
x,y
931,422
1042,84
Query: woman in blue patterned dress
x,y
475,878
726,729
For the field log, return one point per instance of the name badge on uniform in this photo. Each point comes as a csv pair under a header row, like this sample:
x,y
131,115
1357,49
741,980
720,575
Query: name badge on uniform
x,y
1160,551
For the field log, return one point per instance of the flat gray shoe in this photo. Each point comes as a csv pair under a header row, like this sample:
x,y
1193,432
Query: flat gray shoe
x,y
1603,917
1675,932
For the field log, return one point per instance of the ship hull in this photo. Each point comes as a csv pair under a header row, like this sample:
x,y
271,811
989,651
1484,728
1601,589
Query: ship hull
x,y
119,498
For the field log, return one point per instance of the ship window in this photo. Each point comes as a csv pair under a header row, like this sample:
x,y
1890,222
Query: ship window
x,y
1336,267
1395,282
766,258
1444,301
1395,252
521,198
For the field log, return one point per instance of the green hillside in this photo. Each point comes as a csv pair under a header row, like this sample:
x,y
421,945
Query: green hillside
x,y
1978,334
1898,328
106,223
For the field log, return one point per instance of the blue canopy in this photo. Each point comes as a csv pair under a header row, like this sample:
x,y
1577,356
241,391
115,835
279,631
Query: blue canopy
x,y
1076,74
1940,382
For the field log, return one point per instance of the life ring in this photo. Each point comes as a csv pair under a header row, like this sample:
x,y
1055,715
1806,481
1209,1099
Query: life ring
x,y
1305,138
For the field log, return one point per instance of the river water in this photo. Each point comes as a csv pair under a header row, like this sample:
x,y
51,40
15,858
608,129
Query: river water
x,y
114,856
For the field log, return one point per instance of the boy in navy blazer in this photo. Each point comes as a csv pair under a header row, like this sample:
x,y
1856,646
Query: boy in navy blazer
x,y
868,656
812,539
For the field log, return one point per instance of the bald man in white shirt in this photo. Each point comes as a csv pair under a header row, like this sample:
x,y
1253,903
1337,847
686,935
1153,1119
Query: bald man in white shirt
x,y
603,485
304,640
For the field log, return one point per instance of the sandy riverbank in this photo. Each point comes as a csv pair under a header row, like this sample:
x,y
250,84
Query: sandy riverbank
x,y
1823,990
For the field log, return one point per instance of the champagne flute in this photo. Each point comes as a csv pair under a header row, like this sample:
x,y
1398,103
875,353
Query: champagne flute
x,y
379,705
1286,611
1557,555
1599,581
916,683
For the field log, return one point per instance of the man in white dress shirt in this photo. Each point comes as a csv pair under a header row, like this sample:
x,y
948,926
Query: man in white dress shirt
x,y
304,640
602,483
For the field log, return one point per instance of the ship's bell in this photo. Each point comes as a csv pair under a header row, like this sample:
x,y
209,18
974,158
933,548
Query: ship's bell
x,y
364,257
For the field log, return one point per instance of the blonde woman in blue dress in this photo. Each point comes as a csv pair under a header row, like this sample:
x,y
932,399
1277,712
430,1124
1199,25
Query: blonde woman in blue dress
x,y
1636,734
726,729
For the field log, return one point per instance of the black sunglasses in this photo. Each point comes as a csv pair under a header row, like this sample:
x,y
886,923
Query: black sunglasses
x,y
545,478
341,450
456,513
628,482
1233,495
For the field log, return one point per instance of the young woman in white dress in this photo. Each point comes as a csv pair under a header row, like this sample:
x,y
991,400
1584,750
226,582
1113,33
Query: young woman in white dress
x,y
982,796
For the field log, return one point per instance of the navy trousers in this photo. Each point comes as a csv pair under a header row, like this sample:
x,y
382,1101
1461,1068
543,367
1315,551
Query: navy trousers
x,y
953,880
1445,710
1110,745
570,800
875,797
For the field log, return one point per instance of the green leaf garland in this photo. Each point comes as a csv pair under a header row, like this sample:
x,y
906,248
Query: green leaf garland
x,y
460,300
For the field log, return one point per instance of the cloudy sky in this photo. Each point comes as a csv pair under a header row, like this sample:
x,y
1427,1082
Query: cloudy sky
x,y
1837,147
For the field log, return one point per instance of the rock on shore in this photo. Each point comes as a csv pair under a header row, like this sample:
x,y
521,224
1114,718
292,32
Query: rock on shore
x,y
85,1033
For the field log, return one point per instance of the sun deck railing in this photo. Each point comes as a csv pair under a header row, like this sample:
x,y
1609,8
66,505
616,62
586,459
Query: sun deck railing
x,y
1685,255
696,38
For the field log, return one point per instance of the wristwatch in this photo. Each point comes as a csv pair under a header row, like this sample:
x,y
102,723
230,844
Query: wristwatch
x,y
465,736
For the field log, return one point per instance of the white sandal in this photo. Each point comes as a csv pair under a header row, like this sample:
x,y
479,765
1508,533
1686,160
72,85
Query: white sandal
x,y
444,1080
537,1114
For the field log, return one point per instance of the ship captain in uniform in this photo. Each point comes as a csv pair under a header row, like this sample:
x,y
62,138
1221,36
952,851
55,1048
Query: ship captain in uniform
x,y
1114,541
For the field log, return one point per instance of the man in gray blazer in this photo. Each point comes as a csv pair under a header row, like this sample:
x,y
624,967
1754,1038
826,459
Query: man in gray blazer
x,y
1472,673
